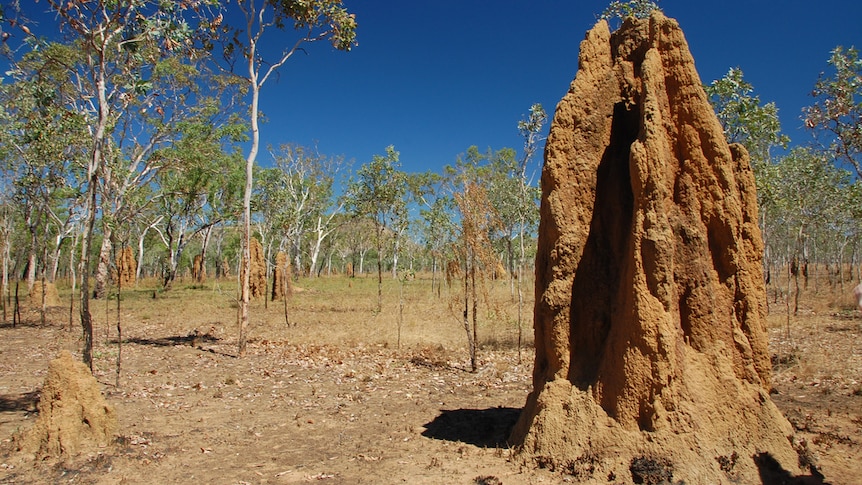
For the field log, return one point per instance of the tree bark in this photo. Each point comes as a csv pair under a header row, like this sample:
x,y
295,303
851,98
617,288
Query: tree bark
x,y
140,254
101,283
201,276
55,258
73,279
245,272
4,284
86,318
379,268
31,262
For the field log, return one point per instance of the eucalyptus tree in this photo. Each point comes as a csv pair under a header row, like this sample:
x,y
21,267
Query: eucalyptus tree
x,y
308,210
43,148
835,120
354,239
746,120
838,236
504,193
7,224
267,203
378,192
312,21
836,115
177,121
808,192
478,221
436,224
224,200
512,190
148,220
531,129
400,228
195,186
124,61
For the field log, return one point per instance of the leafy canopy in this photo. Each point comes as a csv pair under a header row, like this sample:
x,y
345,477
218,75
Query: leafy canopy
x,y
379,189
836,115
640,9
742,116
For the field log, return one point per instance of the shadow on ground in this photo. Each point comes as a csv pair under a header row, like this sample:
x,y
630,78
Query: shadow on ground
x,y
26,402
772,473
191,340
487,428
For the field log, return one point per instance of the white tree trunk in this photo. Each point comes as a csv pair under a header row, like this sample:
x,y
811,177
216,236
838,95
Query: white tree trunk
x,y
395,258
72,273
31,268
245,265
140,254
104,263
315,247
55,257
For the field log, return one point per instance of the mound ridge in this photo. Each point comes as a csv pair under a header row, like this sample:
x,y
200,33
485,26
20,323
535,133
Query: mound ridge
x,y
651,346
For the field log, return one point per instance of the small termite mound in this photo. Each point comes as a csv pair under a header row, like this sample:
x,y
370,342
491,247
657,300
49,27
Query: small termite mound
x,y
52,298
74,417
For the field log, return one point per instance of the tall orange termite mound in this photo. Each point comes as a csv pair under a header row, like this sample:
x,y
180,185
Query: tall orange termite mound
x,y
281,283
651,347
126,268
223,269
257,276
199,269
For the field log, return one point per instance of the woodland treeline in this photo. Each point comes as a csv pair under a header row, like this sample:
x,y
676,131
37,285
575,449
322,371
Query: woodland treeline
x,y
137,127
135,132
809,194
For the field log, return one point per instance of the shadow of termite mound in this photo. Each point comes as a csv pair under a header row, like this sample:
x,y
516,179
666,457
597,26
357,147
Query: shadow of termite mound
x,y
488,428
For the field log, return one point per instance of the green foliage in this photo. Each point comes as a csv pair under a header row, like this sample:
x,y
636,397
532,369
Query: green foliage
x,y
531,129
640,9
194,182
836,115
756,126
808,196
296,199
311,14
437,225
42,127
312,20
435,211
743,118
379,189
806,187
43,145
473,191
379,192
504,191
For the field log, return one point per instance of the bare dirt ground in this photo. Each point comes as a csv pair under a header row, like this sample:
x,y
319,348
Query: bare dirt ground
x,y
332,400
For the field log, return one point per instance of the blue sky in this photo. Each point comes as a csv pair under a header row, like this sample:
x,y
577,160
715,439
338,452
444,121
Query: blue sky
x,y
435,77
